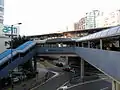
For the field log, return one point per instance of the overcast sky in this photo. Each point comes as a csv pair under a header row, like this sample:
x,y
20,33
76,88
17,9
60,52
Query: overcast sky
x,y
48,16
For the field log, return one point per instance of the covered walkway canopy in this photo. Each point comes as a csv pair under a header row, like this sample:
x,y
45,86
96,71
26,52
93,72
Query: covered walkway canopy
x,y
113,31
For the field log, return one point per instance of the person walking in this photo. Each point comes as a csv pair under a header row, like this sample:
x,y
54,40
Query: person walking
x,y
46,76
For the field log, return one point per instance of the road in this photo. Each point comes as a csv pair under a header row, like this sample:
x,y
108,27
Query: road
x,y
95,85
54,83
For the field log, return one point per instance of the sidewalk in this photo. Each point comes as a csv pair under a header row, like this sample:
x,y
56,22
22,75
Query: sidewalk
x,y
39,79
28,84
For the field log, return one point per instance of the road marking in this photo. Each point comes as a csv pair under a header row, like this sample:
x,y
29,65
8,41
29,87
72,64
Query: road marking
x,y
62,85
83,83
86,82
65,83
56,74
104,88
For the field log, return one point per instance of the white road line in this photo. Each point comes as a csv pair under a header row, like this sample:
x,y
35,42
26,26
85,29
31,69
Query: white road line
x,y
65,83
83,83
62,85
56,74
87,82
104,88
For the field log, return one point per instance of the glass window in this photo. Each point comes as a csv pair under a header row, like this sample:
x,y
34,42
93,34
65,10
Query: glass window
x,y
118,31
113,31
1,20
98,34
104,33
93,36
1,9
2,2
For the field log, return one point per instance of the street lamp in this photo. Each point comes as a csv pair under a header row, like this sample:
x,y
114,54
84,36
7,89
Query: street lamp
x,y
11,49
12,37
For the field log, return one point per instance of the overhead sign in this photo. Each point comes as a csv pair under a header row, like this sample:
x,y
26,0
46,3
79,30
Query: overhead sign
x,y
8,29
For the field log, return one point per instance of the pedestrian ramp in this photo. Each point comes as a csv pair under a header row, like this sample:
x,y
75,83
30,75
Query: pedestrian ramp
x,y
12,58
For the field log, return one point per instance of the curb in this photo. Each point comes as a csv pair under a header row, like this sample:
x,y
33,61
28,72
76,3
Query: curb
x,y
56,74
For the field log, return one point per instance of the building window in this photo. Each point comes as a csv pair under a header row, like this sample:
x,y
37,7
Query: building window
x,y
2,2
1,9
1,20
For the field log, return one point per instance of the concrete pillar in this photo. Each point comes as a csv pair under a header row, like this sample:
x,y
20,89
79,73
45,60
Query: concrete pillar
x,y
78,44
82,66
115,85
101,44
82,44
88,44
35,63
66,60
82,69
119,43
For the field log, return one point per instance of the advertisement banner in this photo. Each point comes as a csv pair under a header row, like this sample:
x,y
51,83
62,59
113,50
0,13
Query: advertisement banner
x,y
6,30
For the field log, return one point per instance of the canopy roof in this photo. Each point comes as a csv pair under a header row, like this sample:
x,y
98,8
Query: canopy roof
x,y
114,31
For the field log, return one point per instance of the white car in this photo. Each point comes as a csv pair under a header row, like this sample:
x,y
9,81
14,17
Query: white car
x,y
16,79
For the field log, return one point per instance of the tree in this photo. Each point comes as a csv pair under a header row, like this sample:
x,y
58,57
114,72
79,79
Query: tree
x,y
17,41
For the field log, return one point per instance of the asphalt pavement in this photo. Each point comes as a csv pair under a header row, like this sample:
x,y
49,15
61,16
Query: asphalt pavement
x,y
31,82
95,85
54,83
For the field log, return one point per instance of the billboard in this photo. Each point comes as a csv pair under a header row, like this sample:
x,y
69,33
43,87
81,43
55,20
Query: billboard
x,y
6,30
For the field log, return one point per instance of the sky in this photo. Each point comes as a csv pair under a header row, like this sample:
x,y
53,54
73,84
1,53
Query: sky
x,y
49,16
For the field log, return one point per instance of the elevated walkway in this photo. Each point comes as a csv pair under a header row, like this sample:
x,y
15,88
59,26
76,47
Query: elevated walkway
x,y
10,59
106,61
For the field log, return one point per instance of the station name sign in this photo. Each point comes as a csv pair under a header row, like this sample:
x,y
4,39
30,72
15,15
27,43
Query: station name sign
x,y
8,29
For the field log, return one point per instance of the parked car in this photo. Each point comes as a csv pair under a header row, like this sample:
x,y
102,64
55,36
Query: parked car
x,y
16,79
67,68
59,64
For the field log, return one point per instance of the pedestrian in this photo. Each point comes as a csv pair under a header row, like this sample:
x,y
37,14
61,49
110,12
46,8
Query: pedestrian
x,y
46,76
72,73
24,87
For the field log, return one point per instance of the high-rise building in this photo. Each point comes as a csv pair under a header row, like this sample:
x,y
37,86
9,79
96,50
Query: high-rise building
x,y
100,20
76,26
1,11
82,23
112,19
90,21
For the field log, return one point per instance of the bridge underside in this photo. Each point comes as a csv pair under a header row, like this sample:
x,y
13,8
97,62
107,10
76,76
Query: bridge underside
x,y
105,61
57,55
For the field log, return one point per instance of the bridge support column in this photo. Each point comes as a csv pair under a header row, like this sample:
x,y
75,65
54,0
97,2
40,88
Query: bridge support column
x,y
66,60
35,63
101,44
88,44
115,85
82,69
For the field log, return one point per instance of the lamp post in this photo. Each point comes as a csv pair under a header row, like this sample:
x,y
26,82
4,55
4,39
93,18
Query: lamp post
x,y
12,26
